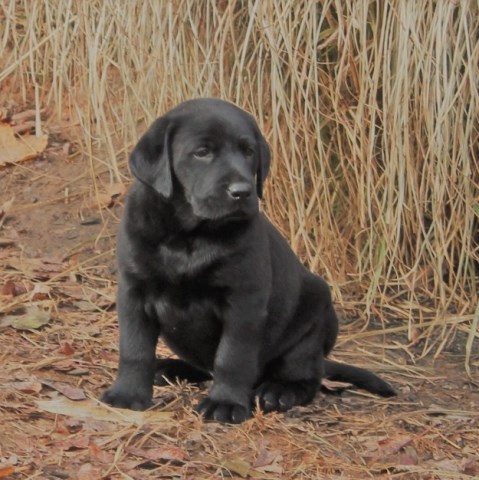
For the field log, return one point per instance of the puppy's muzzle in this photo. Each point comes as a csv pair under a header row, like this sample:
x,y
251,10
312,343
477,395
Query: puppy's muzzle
x,y
239,190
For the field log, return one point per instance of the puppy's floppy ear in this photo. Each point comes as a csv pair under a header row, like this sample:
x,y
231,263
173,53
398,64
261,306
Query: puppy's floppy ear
x,y
150,159
263,165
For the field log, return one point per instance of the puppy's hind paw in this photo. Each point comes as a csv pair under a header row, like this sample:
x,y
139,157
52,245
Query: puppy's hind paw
x,y
222,412
281,396
120,399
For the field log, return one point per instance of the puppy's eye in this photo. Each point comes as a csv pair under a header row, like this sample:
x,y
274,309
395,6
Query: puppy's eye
x,y
203,153
249,151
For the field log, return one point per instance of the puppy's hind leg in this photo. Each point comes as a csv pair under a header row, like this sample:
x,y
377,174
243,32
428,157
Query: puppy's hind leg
x,y
174,370
292,379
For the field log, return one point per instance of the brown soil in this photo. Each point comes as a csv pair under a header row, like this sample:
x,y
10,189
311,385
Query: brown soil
x,y
57,258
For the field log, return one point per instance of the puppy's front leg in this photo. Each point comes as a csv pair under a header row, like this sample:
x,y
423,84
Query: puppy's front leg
x,y
236,363
133,387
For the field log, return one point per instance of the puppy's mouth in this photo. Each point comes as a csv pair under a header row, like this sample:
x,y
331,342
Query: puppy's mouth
x,y
236,216
225,213
231,216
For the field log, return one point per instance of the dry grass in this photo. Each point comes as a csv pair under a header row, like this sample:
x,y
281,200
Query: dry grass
x,y
370,108
428,433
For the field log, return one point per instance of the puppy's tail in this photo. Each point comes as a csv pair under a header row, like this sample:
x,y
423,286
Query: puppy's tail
x,y
359,377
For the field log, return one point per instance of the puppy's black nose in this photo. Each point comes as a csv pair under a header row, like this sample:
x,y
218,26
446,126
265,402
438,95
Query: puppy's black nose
x,y
239,190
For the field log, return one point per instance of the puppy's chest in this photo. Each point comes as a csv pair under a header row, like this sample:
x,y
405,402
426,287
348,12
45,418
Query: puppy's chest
x,y
189,313
184,280
177,260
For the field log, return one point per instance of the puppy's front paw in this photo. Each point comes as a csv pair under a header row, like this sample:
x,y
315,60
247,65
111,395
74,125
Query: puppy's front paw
x,y
121,398
281,396
222,411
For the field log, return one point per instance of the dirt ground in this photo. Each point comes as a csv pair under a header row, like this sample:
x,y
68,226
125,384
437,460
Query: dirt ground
x,y
58,352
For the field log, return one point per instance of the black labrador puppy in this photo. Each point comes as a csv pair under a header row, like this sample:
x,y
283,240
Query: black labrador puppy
x,y
201,267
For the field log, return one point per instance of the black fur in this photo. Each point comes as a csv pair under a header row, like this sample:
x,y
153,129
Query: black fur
x,y
201,267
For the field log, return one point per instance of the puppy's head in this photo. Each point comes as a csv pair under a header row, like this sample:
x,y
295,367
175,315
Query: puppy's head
x,y
208,150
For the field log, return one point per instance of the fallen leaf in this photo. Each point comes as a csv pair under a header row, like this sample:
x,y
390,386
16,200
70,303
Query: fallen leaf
x,y
4,114
98,411
13,149
108,198
67,148
35,267
26,127
85,306
88,299
6,471
406,459
170,453
90,221
4,209
6,242
268,472
6,321
20,117
471,467
70,392
33,319
52,260
70,366
101,200
62,428
40,292
268,460
11,460
393,445
448,465
409,456
88,472
78,292
116,189
96,453
389,446
51,472
79,371
66,349
73,424
74,443
26,387
239,467
334,386
133,468
265,457
27,266
12,288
